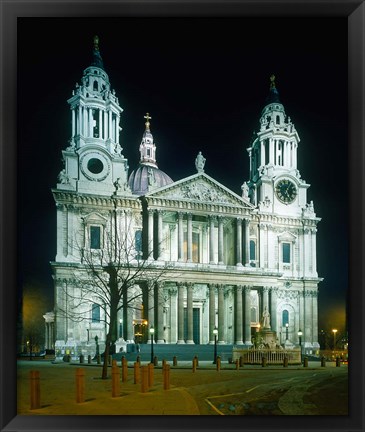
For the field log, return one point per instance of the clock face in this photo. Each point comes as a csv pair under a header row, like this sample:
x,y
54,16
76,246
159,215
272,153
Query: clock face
x,y
94,166
286,191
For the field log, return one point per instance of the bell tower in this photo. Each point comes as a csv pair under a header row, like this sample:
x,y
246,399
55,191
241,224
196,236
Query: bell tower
x,y
93,160
275,184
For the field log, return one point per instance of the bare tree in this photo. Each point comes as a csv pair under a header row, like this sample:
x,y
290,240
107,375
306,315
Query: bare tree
x,y
106,277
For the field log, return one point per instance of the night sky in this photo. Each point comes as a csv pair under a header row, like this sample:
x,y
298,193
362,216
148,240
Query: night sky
x,y
204,83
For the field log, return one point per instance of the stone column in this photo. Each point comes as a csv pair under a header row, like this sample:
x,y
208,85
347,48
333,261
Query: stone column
x,y
221,320
211,240
314,252
274,305
247,290
173,314
315,316
212,288
247,242
239,318
239,242
129,324
109,124
180,237
160,304
100,124
159,234
180,313
220,240
190,237
117,119
73,122
308,318
265,299
301,316
150,234
91,122
190,313
151,307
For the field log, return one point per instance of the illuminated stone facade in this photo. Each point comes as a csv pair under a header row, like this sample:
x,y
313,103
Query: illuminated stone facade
x,y
227,256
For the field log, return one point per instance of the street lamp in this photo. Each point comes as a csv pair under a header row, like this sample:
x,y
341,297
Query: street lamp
x,y
152,331
287,331
334,338
300,334
120,328
215,332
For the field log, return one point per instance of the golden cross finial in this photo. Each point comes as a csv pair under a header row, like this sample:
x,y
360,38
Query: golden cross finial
x,y
272,81
148,118
96,43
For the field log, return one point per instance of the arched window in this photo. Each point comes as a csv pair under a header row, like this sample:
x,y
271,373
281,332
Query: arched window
x,y
252,250
285,317
95,87
95,313
277,119
138,242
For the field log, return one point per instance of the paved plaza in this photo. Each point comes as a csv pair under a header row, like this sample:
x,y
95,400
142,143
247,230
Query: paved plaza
x,y
250,390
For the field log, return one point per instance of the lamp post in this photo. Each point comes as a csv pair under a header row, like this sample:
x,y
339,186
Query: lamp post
x,y
120,328
287,331
152,331
334,338
215,332
300,333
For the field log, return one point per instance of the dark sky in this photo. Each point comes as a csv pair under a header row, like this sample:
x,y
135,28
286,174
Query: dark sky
x,y
204,82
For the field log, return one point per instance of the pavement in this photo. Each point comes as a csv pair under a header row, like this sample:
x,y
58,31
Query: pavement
x,y
58,387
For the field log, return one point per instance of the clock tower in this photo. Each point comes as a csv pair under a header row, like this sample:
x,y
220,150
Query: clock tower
x,y
275,184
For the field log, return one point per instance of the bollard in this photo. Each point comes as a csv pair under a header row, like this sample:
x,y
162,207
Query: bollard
x,y
237,364
155,361
138,359
285,361
166,377
305,363
115,381
35,390
114,363
323,361
218,363
98,359
174,361
80,385
338,362
196,360
124,370
194,364
241,361
263,361
144,381
89,359
137,373
82,359
150,374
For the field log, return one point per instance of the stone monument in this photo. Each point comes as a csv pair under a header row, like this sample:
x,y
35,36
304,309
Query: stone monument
x,y
266,338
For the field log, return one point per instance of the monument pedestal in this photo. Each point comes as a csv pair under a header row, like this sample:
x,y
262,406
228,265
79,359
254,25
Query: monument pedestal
x,y
268,337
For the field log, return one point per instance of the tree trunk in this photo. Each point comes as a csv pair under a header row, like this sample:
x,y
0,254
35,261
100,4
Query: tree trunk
x,y
104,374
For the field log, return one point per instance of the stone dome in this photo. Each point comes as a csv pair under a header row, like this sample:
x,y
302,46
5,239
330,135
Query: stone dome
x,y
146,178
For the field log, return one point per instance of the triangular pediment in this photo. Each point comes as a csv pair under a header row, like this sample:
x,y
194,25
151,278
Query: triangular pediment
x,y
200,188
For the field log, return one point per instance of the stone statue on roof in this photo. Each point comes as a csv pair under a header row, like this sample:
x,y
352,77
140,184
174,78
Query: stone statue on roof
x,y
200,162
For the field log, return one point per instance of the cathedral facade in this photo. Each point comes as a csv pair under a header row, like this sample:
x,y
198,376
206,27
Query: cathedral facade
x,y
214,260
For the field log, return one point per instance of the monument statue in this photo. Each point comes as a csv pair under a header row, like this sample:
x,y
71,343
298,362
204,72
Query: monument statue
x,y
200,162
266,319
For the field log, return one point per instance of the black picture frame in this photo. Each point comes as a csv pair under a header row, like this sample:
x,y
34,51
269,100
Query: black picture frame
x,y
354,11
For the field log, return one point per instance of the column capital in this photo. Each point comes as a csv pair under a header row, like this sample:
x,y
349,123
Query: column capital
x,y
247,288
189,215
150,210
239,288
265,289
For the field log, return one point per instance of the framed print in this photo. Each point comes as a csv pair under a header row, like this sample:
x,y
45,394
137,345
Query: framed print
x,y
182,216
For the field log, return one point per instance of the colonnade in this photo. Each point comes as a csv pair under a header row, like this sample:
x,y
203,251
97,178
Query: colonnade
x,y
215,240
83,123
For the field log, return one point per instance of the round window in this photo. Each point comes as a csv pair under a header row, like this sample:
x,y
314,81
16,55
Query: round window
x,y
95,166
